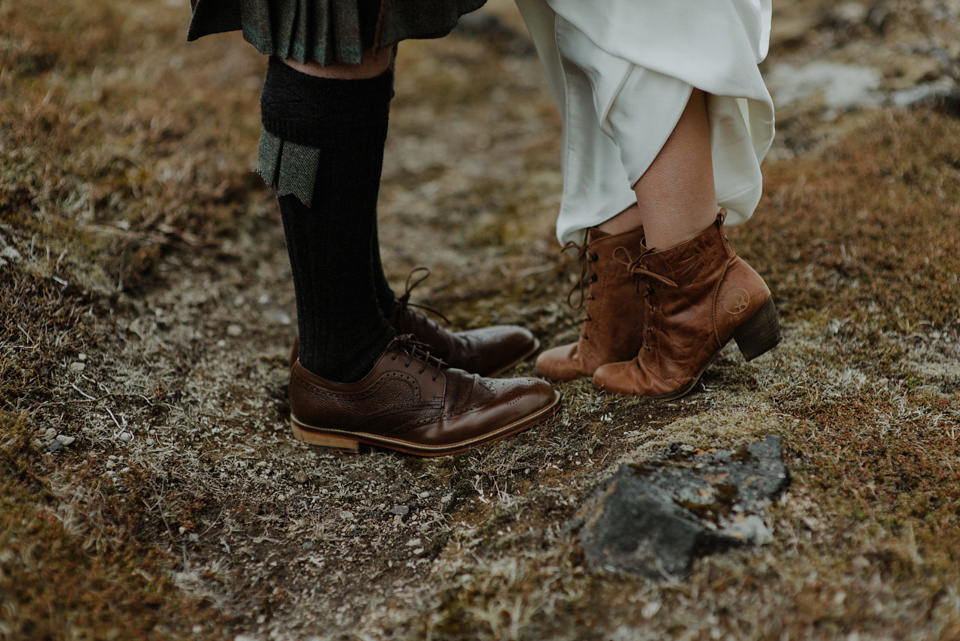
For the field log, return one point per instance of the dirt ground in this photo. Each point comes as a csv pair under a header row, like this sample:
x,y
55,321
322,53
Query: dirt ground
x,y
150,486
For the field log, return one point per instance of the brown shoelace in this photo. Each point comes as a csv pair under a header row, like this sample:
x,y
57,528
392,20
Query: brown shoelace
x,y
414,349
643,274
404,301
586,278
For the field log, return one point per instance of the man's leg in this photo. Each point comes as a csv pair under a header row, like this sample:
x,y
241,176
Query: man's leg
x,y
342,110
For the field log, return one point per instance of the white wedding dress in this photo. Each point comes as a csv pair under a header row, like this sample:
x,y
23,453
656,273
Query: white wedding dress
x,y
622,72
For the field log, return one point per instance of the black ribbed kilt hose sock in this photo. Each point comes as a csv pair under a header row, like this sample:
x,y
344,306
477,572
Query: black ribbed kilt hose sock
x,y
337,277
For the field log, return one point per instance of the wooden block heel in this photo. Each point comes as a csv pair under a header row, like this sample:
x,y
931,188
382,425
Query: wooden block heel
x,y
761,333
329,441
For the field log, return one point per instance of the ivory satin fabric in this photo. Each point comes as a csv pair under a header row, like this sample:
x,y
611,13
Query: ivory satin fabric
x,y
621,72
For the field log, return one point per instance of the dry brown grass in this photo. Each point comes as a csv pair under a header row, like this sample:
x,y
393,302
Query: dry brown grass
x,y
124,188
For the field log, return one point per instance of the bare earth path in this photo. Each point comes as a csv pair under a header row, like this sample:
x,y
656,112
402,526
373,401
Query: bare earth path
x,y
150,485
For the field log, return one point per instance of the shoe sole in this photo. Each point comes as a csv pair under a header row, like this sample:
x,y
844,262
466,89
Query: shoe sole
x,y
528,354
345,441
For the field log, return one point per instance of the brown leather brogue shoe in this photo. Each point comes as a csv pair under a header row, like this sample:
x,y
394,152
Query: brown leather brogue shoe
x,y
412,403
487,351
613,325
699,294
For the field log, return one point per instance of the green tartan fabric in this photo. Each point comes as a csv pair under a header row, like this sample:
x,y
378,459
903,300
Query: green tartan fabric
x,y
327,31
288,167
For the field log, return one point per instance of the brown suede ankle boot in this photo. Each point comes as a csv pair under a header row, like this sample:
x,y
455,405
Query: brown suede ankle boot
x,y
613,328
700,294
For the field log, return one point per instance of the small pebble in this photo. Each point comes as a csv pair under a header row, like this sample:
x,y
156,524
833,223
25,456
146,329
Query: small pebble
x,y
126,437
54,446
77,366
264,299
413,543
81,357
235,330
150,441
65,440
400,510
50,434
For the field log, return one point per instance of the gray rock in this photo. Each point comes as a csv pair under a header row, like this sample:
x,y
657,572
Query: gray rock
x,y
66,440
654,518
400,510
839,86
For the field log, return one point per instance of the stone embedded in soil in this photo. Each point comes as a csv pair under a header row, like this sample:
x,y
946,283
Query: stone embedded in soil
x,y
654,518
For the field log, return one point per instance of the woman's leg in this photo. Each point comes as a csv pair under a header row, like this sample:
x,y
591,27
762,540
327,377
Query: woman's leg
x,y
676,198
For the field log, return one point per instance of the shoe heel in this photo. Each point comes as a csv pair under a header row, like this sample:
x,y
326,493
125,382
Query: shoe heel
x,y
761,333
329,441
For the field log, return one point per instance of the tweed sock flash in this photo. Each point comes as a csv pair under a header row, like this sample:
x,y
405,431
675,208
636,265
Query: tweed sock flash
x,y
330,238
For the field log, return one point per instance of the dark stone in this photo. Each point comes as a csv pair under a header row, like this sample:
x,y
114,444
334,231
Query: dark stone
x,y
654,518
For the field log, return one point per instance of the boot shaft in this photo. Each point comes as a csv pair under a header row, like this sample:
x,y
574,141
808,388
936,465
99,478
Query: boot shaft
x,y
613,327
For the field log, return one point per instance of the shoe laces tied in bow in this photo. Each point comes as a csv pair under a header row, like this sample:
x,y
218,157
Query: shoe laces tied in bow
x,y
587,277
416,276
642,274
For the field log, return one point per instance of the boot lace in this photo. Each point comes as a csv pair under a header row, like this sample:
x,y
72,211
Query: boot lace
x,y
586,278
407,345
647,277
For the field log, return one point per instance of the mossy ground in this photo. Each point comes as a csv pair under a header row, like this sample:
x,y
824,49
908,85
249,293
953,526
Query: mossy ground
x,y
145,310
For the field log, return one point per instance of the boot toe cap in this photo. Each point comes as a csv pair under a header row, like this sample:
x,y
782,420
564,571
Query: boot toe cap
x,y
560,363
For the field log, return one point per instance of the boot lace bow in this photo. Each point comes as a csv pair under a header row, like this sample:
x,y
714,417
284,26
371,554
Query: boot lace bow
x,y
647,276
587,277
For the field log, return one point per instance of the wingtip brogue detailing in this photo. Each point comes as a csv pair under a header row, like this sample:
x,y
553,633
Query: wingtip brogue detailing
x,y
412,402
698,295
613,314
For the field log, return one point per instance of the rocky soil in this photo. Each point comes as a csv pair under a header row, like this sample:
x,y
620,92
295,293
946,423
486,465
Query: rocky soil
x,y
150,486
